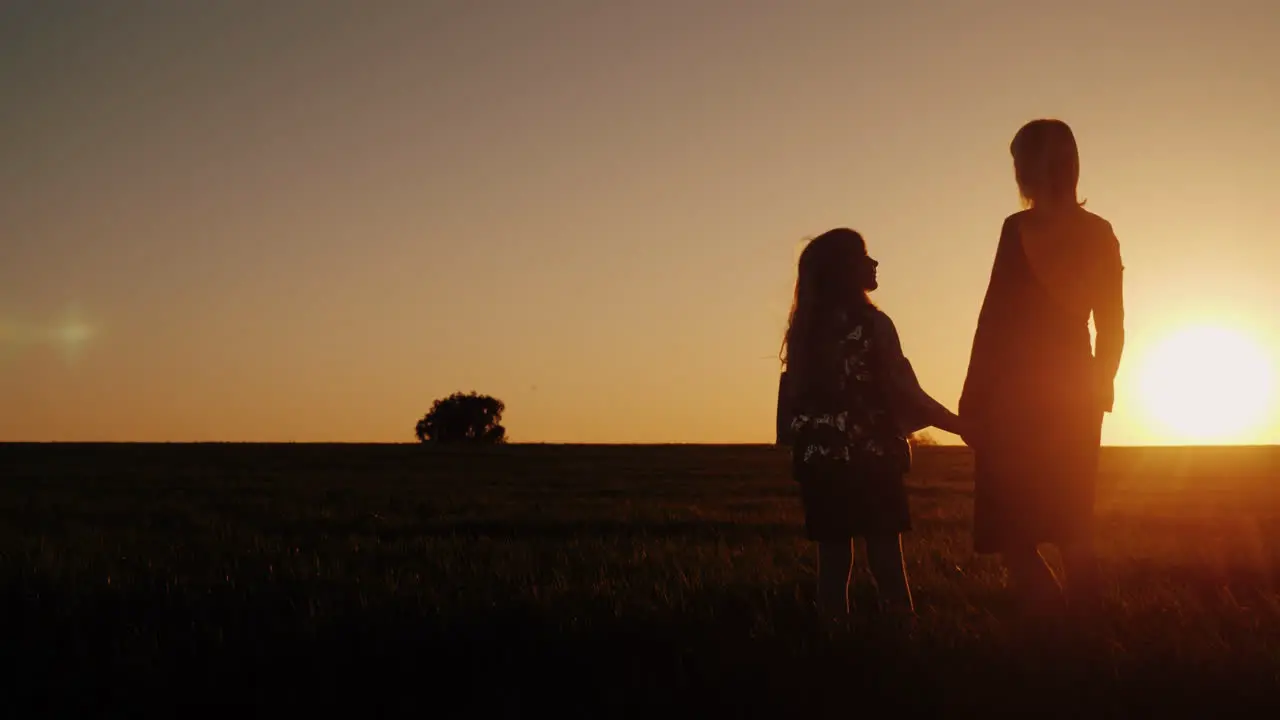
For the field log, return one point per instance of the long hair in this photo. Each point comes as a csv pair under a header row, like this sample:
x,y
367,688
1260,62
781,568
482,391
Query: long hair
x,y
1046,163
827,288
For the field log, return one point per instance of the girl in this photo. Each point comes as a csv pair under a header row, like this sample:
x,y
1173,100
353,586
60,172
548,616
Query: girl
x,y
850,399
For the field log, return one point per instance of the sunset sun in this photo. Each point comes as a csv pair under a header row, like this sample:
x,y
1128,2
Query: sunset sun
x,y
1208,384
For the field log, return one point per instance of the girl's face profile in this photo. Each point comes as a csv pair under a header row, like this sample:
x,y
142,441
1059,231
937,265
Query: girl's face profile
x,y
865,272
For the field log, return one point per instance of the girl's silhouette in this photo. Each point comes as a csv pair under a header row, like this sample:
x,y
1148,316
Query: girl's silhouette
x,y
848,400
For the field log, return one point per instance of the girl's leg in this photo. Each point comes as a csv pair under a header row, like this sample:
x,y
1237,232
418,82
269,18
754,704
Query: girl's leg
x,y
835,567
884,555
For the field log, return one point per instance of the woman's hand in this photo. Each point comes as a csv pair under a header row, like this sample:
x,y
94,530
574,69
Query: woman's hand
x,y
952,424
1104,392
967,431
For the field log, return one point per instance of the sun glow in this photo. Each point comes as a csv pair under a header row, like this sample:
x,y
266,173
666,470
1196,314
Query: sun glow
x,y
1210,385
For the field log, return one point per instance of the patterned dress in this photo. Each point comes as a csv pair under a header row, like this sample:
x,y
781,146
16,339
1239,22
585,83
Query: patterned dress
x,y
849,455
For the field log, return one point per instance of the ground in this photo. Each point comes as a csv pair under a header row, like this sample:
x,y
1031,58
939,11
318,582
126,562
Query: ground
x,y
596,581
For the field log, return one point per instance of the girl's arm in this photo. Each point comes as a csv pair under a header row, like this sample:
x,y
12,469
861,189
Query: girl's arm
x,y
785,412
912,407
808,389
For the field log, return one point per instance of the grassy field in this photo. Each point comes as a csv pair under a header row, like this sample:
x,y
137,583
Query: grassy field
x,y
600,581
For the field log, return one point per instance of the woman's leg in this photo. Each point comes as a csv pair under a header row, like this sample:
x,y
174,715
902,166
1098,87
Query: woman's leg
x,y
1079,561
1034,582
1081,566
884,555
835,567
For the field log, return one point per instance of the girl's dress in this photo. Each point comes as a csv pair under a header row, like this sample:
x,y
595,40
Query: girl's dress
x,y
847,421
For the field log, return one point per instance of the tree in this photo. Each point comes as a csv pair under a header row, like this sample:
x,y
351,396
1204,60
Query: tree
x,y
463,418
921,439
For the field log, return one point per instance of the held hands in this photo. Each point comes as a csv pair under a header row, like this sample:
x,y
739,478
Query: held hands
x,y
955,425
965,428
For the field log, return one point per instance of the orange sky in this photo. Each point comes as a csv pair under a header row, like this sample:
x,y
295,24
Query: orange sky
x,y
304,221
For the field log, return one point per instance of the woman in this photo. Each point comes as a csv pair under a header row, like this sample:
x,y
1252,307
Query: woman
x,y
847,402
1036,391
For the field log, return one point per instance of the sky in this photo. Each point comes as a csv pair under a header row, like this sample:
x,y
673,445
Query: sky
x,y
306,220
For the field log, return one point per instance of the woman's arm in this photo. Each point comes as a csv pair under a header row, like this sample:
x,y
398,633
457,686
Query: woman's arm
x,y
912,407
989,335
1108,319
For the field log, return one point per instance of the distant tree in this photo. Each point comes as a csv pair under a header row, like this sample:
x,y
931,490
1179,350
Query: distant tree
x,y
463,418
921,439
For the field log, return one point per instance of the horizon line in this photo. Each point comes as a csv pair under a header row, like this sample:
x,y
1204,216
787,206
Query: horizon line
x,y
955,446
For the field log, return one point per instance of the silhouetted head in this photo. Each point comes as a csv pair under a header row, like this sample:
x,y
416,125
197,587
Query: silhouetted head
x,y
834,276
1046,163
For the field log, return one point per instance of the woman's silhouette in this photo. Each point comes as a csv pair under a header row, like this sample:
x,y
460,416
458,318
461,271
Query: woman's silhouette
x,y
1036,391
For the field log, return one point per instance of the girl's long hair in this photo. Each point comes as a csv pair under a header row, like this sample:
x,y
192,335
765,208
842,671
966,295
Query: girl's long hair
x,y
827,289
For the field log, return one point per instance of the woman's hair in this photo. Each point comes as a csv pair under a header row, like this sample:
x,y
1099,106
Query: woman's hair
x,y
1046,163
827,287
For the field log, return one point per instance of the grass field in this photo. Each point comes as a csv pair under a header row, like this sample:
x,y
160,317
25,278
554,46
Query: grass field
x,y
600,581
